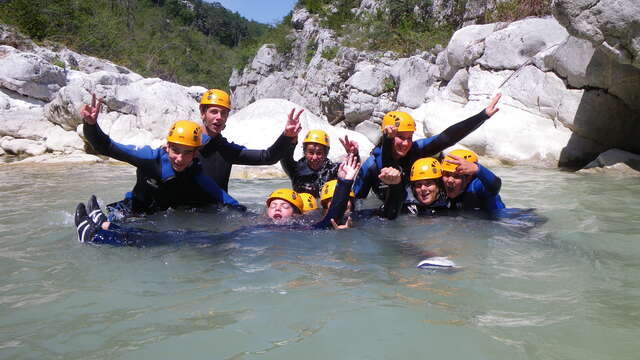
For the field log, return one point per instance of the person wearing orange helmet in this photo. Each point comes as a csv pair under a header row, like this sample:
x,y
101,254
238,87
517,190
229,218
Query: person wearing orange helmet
x,y
399,151
314,169
218,154
168,176
469,185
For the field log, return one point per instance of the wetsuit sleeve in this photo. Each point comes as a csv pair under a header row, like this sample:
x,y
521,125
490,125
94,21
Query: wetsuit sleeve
x,y
287,162
217,193
236,154
490,181
338,205
105,146
364,180
387,153
394,201
450,136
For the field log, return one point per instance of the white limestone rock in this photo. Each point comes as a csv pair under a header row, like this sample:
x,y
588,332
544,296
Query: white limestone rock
x,y
369,79
371,130
584,65
61,158
612,25
413,77
519,42
258,125
511,135
21,117
29,74
60,140
465,47
22,146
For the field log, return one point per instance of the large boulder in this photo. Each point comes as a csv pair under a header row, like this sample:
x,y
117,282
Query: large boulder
x,y
258,125
135,112
29,74
22,146
22,117
612,25
464,48
616,160
519,42
413,76
512,135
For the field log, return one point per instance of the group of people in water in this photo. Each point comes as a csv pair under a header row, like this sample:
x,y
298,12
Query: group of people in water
x,y
192,169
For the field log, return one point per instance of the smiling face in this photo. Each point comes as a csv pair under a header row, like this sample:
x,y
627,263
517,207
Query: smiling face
x,y
402,144
454,184
180,156
214,118
425,191
280,210
316,155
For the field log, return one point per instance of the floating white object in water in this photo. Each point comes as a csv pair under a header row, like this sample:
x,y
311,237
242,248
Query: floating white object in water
x,y
437,262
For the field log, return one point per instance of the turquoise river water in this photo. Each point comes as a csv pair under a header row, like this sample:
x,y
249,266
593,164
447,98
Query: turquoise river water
x,y
567,289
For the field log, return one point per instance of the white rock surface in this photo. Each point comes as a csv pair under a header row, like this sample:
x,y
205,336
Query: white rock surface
x,y
60,158
29,74
520,42
612,25
22,146
512,134
258,125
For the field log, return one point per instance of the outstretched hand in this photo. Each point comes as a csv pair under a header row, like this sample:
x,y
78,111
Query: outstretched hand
x,y
390,131
347,224
89,113
464,167
350,146
349,167
390,176
293,127
492,109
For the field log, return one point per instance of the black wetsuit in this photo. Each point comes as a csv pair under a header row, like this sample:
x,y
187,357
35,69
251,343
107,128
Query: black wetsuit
x,y
303,178
218,155
158,186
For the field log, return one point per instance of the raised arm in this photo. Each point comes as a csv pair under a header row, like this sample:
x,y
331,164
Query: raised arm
x,y
236,154
454,133
347,172
104,145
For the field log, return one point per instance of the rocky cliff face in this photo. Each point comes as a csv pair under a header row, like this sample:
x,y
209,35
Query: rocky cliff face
x,y
43,89
565,99
570,89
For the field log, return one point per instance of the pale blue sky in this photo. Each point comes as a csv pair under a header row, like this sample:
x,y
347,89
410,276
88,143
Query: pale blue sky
x,y
264,11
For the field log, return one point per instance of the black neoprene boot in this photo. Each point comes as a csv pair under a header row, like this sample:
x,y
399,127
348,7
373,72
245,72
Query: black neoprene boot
x,y
95,213
85,227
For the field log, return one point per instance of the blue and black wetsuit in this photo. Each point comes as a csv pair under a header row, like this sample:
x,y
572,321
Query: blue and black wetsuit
x,y
303,178
218,155
127,236
368,176
158,186
482,193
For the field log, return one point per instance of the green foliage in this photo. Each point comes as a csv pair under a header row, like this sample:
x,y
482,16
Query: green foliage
x,y
313,6
330,52
156,38
311,51
389,84
403,28
59,63
518,9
